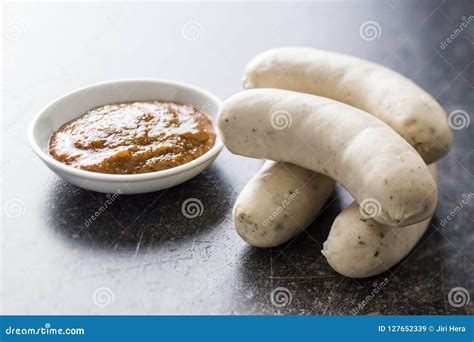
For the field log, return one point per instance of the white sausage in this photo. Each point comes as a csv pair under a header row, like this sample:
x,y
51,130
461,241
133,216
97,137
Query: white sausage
x,y
360,247
391,97
267,190
356,149
279,202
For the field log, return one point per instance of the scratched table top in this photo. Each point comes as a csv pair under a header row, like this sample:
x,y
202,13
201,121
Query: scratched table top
x,y
142,255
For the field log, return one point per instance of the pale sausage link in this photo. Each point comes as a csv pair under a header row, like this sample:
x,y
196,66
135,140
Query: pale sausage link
x,y
359,151
382,92
360,247
279,202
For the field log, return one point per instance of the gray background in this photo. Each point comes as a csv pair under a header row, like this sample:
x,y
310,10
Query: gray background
x,y
142,256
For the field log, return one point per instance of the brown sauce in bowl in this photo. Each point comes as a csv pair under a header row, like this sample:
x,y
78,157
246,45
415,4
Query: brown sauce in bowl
x,y
133,137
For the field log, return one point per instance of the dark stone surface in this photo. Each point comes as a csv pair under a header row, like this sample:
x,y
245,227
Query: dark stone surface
x,y
149,257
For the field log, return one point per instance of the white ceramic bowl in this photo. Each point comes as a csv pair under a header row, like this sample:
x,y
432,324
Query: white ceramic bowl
x,y
80,101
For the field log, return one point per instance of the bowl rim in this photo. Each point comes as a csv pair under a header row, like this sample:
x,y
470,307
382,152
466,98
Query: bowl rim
x,y
57,165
